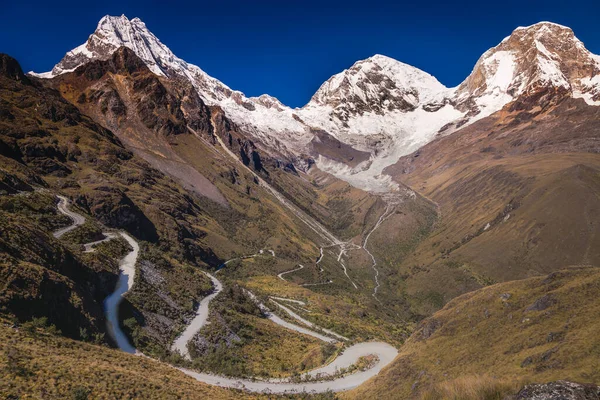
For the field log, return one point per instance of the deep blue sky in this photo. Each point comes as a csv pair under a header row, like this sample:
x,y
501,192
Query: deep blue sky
x,y
288,48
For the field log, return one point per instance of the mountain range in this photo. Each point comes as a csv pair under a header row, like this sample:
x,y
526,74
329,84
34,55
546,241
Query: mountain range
x,y
379,105
389,212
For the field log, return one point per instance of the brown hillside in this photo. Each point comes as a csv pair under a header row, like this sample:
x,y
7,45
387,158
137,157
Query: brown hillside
x,y
534,330
518,194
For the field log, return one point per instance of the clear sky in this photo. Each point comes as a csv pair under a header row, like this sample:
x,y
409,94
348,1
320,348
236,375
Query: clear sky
x,y
287,48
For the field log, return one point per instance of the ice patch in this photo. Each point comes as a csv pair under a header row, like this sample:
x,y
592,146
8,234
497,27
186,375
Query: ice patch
x,y
591,86
406,132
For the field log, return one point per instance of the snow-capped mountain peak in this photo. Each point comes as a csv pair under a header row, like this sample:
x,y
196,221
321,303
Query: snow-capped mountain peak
x,y
377,84
111,33
533,58
265,117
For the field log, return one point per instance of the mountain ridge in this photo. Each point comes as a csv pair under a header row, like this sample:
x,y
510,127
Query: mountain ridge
x,y
116,31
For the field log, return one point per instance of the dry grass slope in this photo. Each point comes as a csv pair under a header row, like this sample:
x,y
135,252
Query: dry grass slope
x,y
539,329
41,365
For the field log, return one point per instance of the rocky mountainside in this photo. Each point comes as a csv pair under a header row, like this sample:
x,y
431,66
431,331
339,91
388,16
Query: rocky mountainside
x,y
263,116
47,145
505,186
123,94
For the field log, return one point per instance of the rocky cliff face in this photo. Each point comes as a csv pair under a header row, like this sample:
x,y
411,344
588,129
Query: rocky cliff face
x,y
10,68
559,390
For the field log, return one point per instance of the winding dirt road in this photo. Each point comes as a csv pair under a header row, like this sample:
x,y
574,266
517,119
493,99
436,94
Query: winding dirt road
x,y
126,275
111,304
261,252
288,325
201,318
306,322
386,214
78,219
90,247
280,276
384,352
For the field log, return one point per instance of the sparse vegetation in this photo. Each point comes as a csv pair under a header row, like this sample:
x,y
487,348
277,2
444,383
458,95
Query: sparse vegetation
x,y
357,318
52,367
472,388
490,342
240,341
88,232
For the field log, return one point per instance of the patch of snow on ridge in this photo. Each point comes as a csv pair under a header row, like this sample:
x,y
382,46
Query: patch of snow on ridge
x,y
542,25
361,178
550,68
500,71
273,125
592,87
43,75
503,65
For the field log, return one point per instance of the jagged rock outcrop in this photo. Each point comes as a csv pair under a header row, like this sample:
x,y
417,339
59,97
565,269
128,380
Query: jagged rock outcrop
x,y
10,68
559,390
